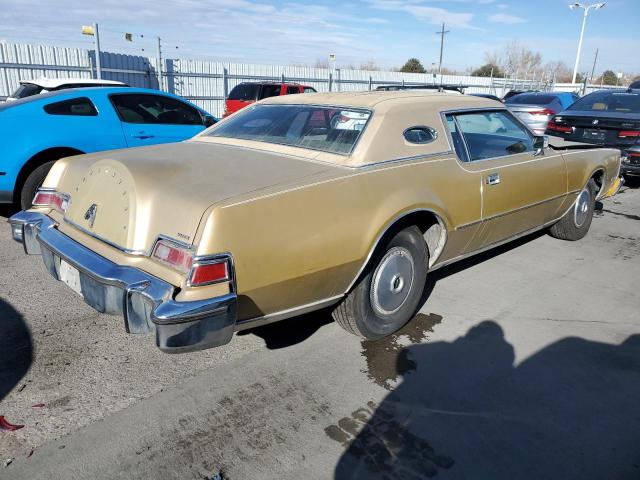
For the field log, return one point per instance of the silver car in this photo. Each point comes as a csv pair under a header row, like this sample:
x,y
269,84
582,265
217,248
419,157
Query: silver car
x,y
536,108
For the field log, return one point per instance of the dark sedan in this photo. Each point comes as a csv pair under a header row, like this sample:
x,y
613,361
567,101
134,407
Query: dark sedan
x,y
610,118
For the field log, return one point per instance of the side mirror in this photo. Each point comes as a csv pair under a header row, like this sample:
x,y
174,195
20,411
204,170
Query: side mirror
x,y
540,142
208,120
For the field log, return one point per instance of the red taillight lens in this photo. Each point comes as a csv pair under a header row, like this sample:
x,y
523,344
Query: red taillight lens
x,y
173,255
629,133
50,198
545,111
206,273
554,127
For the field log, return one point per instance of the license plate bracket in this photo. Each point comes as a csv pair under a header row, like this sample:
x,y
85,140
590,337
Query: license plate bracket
x,y
593,134
70,276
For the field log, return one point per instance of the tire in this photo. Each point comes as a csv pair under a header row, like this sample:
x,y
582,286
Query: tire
x,y
387,296
575,224
32,183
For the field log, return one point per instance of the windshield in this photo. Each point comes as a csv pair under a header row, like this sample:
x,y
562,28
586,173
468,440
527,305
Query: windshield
x,y
329,129
619,102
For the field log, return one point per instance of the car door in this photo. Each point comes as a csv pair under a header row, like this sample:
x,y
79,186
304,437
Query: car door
x,y
521,188
148,119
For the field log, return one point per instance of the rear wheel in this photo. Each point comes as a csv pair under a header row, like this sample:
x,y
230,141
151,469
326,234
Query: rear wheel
x,y
575,224
33,183
386,298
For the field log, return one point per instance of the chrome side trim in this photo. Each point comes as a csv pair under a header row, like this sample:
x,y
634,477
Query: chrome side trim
x,y
531,205
404,159
384,231
493,245
288,313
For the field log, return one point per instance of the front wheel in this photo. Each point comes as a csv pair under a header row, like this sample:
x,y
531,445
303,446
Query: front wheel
x,y
575,224
386,298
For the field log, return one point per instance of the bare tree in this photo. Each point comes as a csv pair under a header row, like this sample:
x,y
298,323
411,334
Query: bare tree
x,y
515,57
559,70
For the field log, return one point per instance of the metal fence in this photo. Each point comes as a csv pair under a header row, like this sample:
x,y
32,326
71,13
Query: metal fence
x,y
208,83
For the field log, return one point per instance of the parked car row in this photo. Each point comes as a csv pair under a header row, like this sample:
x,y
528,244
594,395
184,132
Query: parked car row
x,y
343,200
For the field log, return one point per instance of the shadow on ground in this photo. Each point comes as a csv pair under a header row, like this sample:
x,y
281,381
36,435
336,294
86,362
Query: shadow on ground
x,y
570,411
8,210
16,348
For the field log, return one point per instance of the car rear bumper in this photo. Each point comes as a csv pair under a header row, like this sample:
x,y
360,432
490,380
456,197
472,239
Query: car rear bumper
x,y
145,302
630,166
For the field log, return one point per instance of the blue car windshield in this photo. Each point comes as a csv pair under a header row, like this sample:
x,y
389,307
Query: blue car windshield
x,y
325,128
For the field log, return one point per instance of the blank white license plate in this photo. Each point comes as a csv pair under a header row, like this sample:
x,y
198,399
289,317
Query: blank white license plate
x,y
70,276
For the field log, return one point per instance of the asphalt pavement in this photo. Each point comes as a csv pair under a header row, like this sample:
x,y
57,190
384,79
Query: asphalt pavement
x,y
524,362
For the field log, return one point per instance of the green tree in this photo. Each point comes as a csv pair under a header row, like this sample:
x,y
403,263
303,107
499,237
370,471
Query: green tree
x,y
413,65
485,71
609,77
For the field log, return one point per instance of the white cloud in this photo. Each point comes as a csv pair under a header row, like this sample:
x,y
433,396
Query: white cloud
x,y
434,15
506,18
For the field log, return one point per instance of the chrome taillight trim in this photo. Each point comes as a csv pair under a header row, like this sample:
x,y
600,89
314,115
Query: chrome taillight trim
x,y
211,259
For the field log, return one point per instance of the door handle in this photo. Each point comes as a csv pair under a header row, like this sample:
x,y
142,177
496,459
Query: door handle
x,y
142,135
493,179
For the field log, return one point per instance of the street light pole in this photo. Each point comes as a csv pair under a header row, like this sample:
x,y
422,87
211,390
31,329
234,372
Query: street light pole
x,y
586,9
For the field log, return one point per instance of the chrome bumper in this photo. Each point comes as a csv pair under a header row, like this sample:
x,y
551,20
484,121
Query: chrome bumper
x,y
145,301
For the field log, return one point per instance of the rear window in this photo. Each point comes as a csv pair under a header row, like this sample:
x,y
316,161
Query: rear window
x,y
328,129
531,99
245,91
26,90
620,102
81,107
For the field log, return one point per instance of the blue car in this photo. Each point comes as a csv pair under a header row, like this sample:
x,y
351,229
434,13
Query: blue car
x,y
41,129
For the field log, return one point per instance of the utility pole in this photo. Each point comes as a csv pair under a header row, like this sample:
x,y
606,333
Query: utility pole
x,y
97,38
594,66
441,33
586,8
159,56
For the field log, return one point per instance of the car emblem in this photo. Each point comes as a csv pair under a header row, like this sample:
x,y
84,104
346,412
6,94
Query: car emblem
x,y
595,122
90,214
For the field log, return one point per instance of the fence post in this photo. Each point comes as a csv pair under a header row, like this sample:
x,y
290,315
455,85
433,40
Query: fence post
x,y
370,83
330,81
282,78
338,80
225,82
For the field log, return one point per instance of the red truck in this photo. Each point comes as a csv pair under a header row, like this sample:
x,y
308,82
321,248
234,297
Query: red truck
x,y
246,93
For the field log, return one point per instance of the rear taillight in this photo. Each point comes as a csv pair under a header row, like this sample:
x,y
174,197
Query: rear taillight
x,y
207,272
51,198
629,133
555,127
175,255
544,111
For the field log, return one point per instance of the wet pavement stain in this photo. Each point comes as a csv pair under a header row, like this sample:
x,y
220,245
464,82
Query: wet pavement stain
x,y
629,249
372,436
388,358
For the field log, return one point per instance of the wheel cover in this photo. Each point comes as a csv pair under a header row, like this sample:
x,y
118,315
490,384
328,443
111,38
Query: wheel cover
x,y
392,281
581,209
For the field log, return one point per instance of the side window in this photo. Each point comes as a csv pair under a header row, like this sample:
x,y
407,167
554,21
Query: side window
x,y
458,142
420,135
154,109
291,89
269,90
81,107
309,90
493,134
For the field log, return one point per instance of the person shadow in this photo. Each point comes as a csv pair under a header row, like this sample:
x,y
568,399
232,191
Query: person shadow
x,y
466,411
16,348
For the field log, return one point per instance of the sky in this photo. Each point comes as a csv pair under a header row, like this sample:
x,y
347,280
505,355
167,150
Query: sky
x,y
385,32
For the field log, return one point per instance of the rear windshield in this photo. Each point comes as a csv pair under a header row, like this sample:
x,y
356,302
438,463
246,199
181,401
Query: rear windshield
x,y
245,91
531,99
620,102
26,90
329,129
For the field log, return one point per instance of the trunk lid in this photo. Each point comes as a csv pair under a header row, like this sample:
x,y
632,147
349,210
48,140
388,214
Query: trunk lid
x,y
601,129
128,198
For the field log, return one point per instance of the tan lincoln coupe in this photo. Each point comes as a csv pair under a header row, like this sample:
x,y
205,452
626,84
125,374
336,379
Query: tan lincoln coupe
x,y
300,203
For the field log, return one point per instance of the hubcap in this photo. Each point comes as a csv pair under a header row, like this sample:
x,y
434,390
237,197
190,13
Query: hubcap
x,y
392,281
582,207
